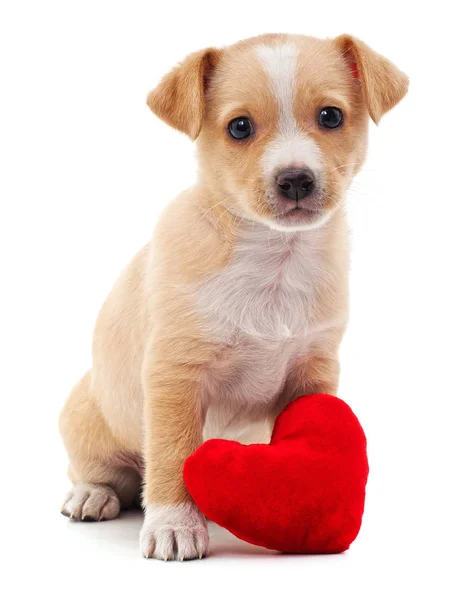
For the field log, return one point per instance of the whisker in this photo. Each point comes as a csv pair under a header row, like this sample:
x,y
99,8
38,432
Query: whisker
x,y
204,213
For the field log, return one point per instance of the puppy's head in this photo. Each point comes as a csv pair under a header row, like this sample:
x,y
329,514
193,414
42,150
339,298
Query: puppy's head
x,y
281,121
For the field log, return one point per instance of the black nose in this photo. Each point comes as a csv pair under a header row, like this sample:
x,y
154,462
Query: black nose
x,y
295,184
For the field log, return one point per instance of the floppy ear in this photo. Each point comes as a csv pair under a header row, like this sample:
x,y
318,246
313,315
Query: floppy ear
x,y
383,85
179,98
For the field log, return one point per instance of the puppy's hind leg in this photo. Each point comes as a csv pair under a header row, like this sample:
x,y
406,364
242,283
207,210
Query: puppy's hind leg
x,y
91,502
106,477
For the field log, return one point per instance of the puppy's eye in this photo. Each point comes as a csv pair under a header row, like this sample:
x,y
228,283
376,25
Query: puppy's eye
x,y
240,128
330,117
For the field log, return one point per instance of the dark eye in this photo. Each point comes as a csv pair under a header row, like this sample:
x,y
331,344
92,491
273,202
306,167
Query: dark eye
x,y
240,128
330,117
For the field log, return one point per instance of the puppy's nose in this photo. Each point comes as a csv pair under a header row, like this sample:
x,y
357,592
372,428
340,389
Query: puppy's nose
x,y
295,184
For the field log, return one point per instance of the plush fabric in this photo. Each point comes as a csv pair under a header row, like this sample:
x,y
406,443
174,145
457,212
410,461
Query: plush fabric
x,y
303,493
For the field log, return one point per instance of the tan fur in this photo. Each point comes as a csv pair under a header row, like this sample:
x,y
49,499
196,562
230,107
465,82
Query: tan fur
x,y
163,363
178,99
383,84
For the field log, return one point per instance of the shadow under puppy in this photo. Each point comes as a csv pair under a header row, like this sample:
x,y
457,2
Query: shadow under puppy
x,y
239,302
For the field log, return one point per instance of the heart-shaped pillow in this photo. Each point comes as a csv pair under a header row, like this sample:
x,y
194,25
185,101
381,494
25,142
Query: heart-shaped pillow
x,y
304,492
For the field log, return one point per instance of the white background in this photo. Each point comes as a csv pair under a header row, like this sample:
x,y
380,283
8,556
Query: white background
x,y
85,170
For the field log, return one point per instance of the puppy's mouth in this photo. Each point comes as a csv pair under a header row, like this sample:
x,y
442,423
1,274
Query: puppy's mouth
x,y
300,209
295,204
300,216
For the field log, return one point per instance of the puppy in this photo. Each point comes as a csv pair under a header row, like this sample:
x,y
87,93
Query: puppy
x,y
239,302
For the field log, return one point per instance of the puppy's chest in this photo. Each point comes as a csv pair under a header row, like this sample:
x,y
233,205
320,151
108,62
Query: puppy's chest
x,y
259,308
267,291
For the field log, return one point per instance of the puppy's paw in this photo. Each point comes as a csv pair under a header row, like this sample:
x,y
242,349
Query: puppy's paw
x,y
91,502
174,532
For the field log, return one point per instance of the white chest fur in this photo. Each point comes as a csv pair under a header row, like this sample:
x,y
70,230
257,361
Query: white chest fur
x,y
267,290
260,308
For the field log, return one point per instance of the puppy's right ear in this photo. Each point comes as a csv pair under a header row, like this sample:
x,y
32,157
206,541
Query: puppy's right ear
x,y
179,99
383,85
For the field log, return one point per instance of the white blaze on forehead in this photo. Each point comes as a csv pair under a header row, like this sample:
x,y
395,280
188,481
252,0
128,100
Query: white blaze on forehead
x,y
291,145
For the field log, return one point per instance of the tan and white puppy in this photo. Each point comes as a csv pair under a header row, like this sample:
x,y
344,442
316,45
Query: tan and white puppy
x,y
239,302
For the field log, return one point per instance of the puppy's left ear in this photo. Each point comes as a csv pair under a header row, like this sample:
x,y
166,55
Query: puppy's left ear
x,y
383,85
179,98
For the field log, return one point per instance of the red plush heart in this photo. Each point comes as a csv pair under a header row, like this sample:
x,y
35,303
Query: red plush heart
x,y
304,492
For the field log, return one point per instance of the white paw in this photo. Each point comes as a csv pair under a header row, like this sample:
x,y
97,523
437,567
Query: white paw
x,y
91,502
174,532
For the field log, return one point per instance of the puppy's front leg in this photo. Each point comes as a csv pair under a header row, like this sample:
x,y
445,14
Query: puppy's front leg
x,y
316,372
173,527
